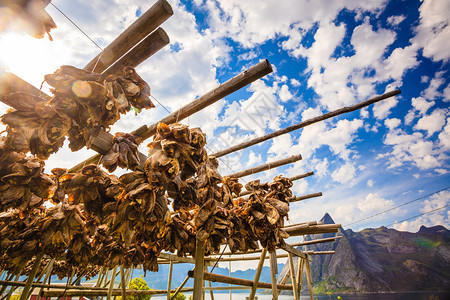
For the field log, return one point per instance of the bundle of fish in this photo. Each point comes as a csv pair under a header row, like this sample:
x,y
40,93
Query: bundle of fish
x,y
19,238
262,214
58,227
96,190
123,153
84,103
34,125
23,183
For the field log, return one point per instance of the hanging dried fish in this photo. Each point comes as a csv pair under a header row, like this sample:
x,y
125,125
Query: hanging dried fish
x,y
123,153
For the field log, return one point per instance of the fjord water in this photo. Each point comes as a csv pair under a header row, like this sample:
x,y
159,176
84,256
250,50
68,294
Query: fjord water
x,y
380,296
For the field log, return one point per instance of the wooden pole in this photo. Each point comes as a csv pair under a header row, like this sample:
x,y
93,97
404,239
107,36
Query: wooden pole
x,y
10,83
293,279
47,275
239,281
198,270
111,283
314,229
239,81
258,274
309,278
143,26
169,281
317,241
140,53
123,283
304,197
267,166
305,123
300,265
273,275
180,288
30,278
243,258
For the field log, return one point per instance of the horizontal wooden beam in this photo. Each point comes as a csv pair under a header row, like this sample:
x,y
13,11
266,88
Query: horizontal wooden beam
x,y
11,83
241,258
175,258
266,167
140,53
305,123
317,241
304,197
288,248
142,27
314,229
238,281
239,81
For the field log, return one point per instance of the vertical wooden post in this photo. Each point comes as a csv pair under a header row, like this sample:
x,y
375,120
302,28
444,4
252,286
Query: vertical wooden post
x,y
180,287
198,270
30,278
47,274
273,274
300,266
111,283
258,274
229,274
293,279
123,283
12,289
8,277
308,276
211,293
169,281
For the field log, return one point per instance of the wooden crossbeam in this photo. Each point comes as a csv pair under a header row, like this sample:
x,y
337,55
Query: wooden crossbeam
x,y
305,123
304,197
267,166
238,281
143,26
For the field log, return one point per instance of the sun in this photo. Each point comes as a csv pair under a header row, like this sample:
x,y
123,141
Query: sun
x,y
28,57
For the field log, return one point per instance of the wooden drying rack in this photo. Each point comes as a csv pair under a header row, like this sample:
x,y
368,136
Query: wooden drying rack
x,y
136,44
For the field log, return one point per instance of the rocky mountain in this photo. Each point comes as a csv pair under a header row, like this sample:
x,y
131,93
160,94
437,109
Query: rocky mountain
x,y
382,260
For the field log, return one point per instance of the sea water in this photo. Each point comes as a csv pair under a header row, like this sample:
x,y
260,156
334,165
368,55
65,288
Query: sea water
x,y
381,296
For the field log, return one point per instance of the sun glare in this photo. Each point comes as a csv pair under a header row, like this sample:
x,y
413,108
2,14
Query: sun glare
x,y
28,57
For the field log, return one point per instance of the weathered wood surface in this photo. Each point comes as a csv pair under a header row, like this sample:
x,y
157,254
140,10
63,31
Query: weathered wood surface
x,y
317,241
239,281
266,167
258,274
140,53
11,83
143,26
304,197
306,123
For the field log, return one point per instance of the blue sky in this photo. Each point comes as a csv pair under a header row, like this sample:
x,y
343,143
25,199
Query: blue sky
x,y
325,55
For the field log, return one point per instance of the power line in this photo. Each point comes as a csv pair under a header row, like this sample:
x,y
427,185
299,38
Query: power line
x,y
395,207
76,26
428,212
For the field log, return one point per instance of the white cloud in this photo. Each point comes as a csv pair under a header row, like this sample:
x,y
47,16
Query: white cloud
x,y
395,20
421,104
433,32
285,94
392,123
295,82
439,217
382,109
253,159
444,136
433,122
373,203
370,183
344,174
